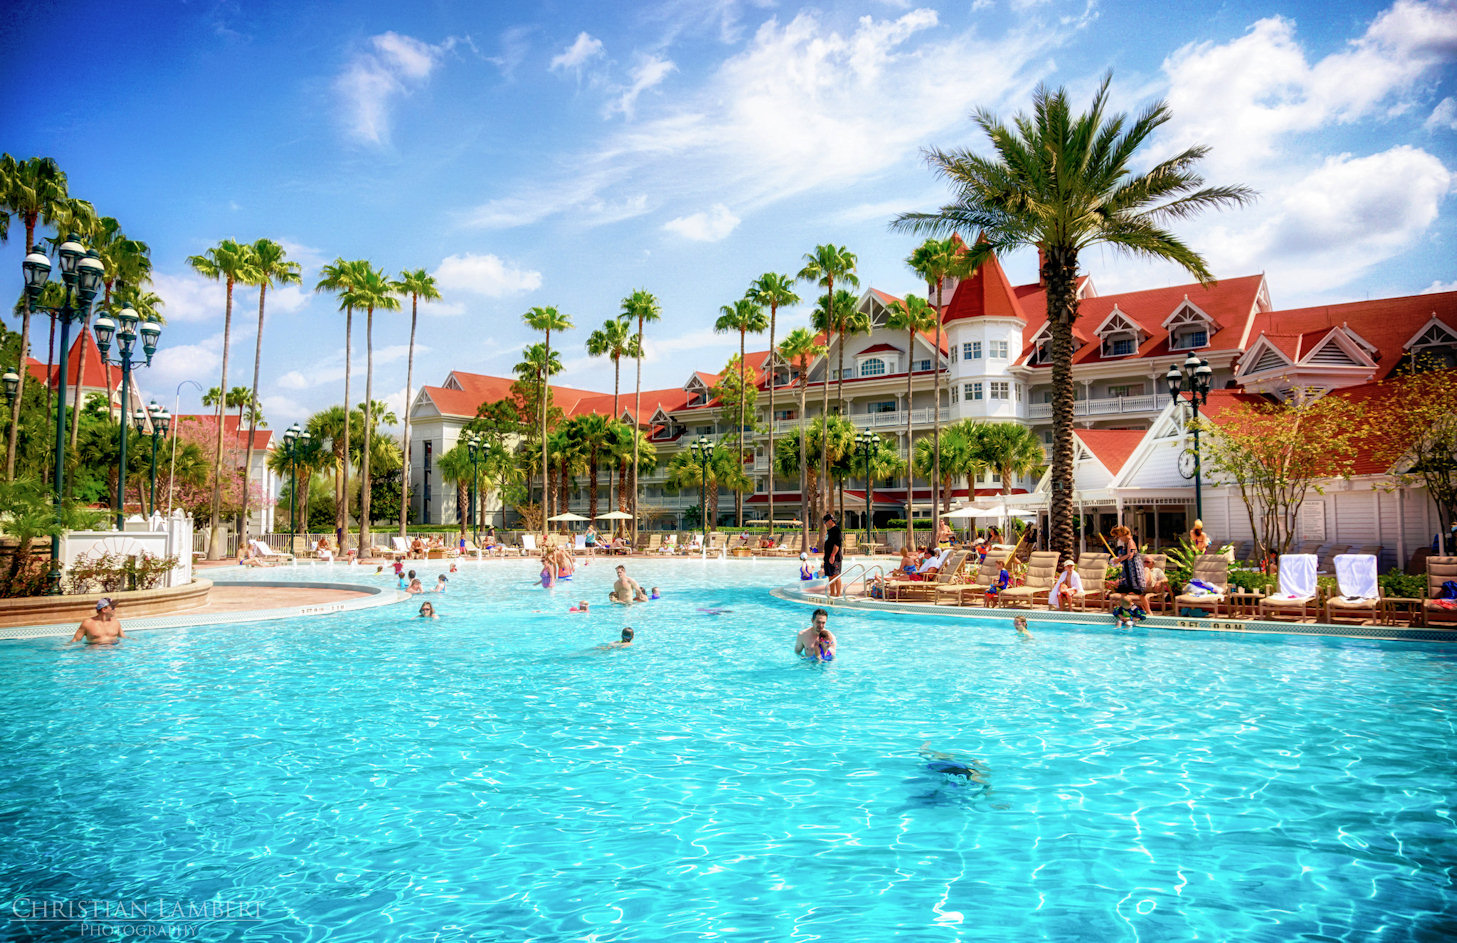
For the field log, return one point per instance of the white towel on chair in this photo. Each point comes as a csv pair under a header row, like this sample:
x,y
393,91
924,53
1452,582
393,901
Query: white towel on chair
x,y
1297,575
1356,574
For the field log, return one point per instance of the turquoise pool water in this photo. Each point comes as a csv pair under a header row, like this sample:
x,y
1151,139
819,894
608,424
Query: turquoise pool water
x,y
489,776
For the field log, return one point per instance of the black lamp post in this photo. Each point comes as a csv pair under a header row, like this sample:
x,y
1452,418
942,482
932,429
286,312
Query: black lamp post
x,y
11,381
702,448
161,421
865,444
125,328
473,447
294,441
82,274
1195,379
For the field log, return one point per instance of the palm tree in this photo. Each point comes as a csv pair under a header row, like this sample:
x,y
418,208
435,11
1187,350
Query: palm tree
x,y
269,268
126,261
33,190
1066,183
746,317
823,266
1011,449
454,466
629,448
614,340
772,289
417,284
936,260
340,276
800,347
593,434
371,289
913,315
842,320
643,307
229,262
546,320
329,433
926,463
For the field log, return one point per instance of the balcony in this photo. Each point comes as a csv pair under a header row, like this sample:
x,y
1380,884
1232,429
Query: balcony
x,y
1104,406
895,420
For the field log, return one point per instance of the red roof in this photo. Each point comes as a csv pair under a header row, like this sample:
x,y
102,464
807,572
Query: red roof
x,y
233,436
879,349
83,346
986,294
1112,447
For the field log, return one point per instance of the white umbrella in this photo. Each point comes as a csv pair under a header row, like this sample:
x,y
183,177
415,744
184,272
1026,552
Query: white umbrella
x,y
568,516
972,510
614,516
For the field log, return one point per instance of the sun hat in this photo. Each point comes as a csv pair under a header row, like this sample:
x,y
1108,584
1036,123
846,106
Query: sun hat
x,y
1068,563
804,556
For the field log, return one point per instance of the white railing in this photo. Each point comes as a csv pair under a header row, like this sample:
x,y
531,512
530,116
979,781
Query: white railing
x,y
1104,406
870,420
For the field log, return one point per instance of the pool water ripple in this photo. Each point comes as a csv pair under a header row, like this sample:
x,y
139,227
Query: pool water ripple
x,y
491,775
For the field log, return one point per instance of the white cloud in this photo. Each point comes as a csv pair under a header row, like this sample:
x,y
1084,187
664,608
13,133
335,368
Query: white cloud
x,y
711,226
577,55
484,275
650,71
395,66
514,46
1435,287
292,380
188,297
1443,117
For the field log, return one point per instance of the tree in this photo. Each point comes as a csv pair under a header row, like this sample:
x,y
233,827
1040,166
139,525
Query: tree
x,y
927,463
371,289
1419,414
340,276
631,452
642,307
914,316
800,347
270,267
28,511
230,263
1065,183
773,290
417,284
722,470
823,266
545,319
841,320
454,466
738,390
593,434
1009,448
745,317
614,340
125,261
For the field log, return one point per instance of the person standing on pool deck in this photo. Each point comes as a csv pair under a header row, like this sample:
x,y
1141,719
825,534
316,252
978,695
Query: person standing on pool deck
x,y
808,641
834,554
104,628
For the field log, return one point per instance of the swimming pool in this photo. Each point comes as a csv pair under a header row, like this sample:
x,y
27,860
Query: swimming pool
x,y
490,775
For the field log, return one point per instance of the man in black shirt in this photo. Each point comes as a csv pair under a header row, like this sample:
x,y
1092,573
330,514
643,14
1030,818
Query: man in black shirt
x,y
834,553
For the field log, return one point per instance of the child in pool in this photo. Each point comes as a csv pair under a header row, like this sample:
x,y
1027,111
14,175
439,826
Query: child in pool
x,y
581,607
825,646
654,594
1127,613
1020,624
806,572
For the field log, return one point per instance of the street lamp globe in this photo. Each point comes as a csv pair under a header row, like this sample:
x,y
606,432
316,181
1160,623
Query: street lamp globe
x,y
90,273
70,253
37,270
139,418
105,328
11,380
150,331
1175,380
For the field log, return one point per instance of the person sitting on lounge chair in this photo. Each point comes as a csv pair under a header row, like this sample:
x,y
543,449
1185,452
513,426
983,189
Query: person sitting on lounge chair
x,y
322,550
1067,588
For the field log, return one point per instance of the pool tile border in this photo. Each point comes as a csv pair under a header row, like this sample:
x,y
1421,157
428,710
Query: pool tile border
x,y
375,598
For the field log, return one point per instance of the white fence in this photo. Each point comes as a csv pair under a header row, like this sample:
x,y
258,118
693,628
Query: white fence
x,y
158,536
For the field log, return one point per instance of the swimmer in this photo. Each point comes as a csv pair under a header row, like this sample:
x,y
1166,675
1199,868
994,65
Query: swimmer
x,y
452,566
626,641
415,588
1128,612
104,628
440,584
654,594
806,571
1020,624
825,646
626,590
379,569
399,568
427,611
807,643
969,769
580,607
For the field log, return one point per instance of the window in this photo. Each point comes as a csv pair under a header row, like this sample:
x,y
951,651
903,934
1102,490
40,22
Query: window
x,y
999,390
997,349
1126,389
1039,353
883,406
873,367
1120,345
783,414
924,366
1189,338
973,391
703,430
953,353
1018,388
971,350
954,391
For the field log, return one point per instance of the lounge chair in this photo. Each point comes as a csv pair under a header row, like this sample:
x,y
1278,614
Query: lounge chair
x,y
695,544
893,586
1213,571
1359,596
1093,571
973,587
1435,610
716,541
1036,584
528,545
655,543
398,549
670,544
951,563
265,552
852,544
1296,598
1156,598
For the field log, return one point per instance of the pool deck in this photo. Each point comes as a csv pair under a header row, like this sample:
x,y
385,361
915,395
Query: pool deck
x,y
244,602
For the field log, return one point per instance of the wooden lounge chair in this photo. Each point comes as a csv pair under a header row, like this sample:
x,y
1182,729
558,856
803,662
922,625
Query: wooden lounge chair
x,y
926,590
1439,571
973,587
265,552
1298,594
1211,569
1093,571
1041,574
914,585
1156,598
655,543
528,545
1358,596
852,544
716,541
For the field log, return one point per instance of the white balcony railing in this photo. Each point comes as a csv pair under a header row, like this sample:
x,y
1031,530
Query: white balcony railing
x,y
1104,406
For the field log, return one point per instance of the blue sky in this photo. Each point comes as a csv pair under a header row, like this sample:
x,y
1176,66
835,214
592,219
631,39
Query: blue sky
x,y
566,154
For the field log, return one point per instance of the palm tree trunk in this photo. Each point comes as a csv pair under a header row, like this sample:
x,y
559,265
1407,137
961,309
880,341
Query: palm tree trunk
x,y
621,487
341,512
825,394
910,468
773,312
1060,271
545,396
215,535
803,462
368,430
301,485
616,416
409,381
739,436
253,410
23,372
592,487
936,424
636,424
462,502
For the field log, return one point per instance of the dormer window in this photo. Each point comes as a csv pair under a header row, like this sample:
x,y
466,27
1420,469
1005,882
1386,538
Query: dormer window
x,y
1040,353
1189,338
1120,345
1189,327
872,367
1434,347
1119,335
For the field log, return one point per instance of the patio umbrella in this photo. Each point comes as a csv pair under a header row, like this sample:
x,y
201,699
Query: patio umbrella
x,y
972,510
615,516
568,516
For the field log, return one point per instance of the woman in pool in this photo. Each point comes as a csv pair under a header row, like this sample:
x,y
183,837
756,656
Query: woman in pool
x,y
427,611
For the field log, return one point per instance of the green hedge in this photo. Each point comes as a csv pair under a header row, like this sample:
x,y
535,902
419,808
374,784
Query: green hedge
x,y
1408,585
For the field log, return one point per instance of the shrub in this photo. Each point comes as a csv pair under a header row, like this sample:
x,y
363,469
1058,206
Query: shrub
x,y
1409,585
103,572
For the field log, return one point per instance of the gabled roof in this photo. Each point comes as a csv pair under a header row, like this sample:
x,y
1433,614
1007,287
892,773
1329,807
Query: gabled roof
x,y
82,348
879,349
1112,447
986,294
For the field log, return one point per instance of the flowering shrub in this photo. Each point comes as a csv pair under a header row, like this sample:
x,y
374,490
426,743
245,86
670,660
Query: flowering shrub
x,y
103,572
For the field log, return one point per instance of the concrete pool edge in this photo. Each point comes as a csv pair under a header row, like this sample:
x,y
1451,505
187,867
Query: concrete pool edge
x,y
373,597
1379,633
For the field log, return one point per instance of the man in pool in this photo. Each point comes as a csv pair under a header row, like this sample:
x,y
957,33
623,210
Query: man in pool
x,y
104,628
807,643
626,590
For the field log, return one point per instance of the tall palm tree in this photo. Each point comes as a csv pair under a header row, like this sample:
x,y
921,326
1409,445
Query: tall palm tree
x,y
800,347
371,290
1065,183
613,340
839,320
417,284
340,276
936,260
593,433
1011,449
629,447
746,317
823,267
912,315
72,216
545,319
928,464
126,261
270,267
33,191
229,262
642,307
773,290
454,466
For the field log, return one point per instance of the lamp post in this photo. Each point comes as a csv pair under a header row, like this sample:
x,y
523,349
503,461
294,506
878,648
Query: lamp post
x,y
865,444
11,381
81,273
703,451
473,447
125,327
161,421
295,441
1195,379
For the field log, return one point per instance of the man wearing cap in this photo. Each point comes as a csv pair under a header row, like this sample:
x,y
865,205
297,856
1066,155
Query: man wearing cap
x,y
834,545
1068,587
104,628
